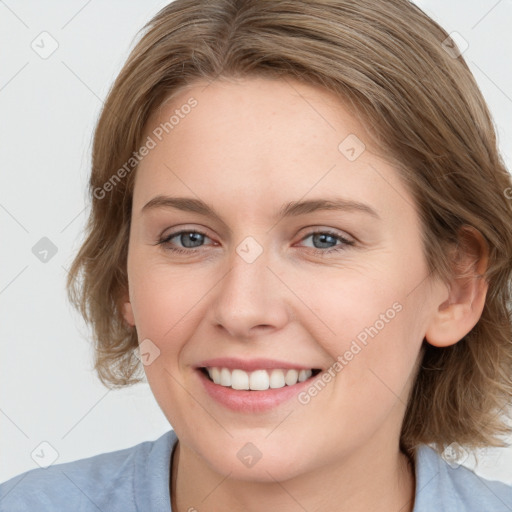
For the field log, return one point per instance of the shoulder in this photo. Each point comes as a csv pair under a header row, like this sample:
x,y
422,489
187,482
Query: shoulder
x,y
108,481
441,485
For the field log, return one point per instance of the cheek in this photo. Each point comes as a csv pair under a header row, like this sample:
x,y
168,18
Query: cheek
x,y
373,351
370,321
165,306
350,304
168,305
162,298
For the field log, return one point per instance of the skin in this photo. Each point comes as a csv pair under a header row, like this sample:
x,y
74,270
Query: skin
x,y
248,147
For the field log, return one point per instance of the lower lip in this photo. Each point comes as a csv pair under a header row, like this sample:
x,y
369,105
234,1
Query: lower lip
x,y
251,401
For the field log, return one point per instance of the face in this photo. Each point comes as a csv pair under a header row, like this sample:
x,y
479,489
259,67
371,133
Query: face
x,y
292,265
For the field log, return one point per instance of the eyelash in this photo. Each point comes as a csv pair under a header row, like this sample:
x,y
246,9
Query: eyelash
x,y
345,242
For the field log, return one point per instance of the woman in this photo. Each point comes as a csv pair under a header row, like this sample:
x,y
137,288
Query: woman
x,y
300,226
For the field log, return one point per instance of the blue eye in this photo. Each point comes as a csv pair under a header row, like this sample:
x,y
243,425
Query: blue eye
x,y
192,242
329,237
187,241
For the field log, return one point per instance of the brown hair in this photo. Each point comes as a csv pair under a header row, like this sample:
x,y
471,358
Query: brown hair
x,y
398,72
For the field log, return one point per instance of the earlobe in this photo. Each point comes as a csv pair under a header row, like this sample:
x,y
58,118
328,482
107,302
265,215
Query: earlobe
x,y
456,315
127,310
128,313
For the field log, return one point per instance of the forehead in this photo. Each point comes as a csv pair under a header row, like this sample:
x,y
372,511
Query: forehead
x,y
260,138
258,107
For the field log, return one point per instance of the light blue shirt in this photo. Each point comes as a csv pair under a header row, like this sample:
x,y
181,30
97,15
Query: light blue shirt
x,y
137,479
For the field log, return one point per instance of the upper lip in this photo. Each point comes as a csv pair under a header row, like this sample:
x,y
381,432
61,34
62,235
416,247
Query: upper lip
x,y
251,364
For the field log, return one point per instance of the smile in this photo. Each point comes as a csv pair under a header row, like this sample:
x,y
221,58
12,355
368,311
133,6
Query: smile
x,y
257,380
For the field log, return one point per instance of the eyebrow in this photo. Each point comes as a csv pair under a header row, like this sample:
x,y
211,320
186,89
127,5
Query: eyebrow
x,y
291,209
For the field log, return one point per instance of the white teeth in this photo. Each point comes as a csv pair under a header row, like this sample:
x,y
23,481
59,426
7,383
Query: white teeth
x,y
258,380
303,375
215,375
225,377
277,379
291,377
239,379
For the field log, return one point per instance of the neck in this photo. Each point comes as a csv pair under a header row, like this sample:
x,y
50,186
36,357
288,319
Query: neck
x,y
384,483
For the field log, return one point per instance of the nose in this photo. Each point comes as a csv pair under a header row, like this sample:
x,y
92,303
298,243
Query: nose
x,y
250,299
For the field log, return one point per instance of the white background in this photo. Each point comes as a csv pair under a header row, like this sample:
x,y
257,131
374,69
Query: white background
x,y
49,107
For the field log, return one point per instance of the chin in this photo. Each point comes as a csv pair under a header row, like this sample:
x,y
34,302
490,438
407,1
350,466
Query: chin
x,y
249,464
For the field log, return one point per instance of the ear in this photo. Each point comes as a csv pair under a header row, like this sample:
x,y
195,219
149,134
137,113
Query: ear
x,y
126,309
456,315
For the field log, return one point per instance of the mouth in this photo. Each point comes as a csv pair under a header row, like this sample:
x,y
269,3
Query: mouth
x,y
257,380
